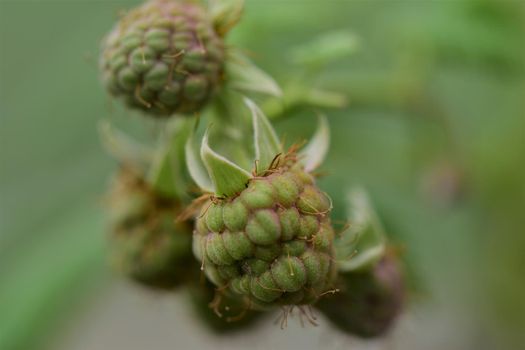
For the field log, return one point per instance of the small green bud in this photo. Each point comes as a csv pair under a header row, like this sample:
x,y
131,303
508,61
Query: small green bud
x,y
294,248
264,227
290,220
258,195
313,201
214,218
289,273
146,243
235,215
308,226
264,288
229,272
255,267
238,244
268,253
216,251
286,189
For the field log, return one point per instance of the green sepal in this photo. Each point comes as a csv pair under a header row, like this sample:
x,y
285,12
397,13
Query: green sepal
x,y
167,172
266,142
228,178
299,96
229,111
324,99
364,243
314,153
325,49
225,14
195,166
246,77
123,148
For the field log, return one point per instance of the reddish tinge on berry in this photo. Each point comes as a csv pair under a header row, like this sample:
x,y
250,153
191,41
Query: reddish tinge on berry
x,y
163,58
272,242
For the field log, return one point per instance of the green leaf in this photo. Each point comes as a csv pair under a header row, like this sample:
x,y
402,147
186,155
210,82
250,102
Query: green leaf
x,y
246,77
228,178
195,166
167,174
364,243
266,142
226,14
326,48
123,148
316,150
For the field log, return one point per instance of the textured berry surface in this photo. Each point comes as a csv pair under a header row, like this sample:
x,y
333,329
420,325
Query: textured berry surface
x,y
272,243
146,243
163,57
369,302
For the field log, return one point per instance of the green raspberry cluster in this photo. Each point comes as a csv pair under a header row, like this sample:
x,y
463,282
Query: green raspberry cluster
x,y
369,301
263,236
271,244
146,243
163,57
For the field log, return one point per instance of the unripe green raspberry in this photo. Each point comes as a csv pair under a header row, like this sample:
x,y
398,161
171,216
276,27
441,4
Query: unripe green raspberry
x,y
369,301
271,243
146,244
163,57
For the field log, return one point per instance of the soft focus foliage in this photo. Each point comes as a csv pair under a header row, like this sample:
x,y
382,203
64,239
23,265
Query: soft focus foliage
x,y
434,129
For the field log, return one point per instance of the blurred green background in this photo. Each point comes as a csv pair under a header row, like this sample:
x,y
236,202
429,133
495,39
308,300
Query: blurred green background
x,y
435,129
